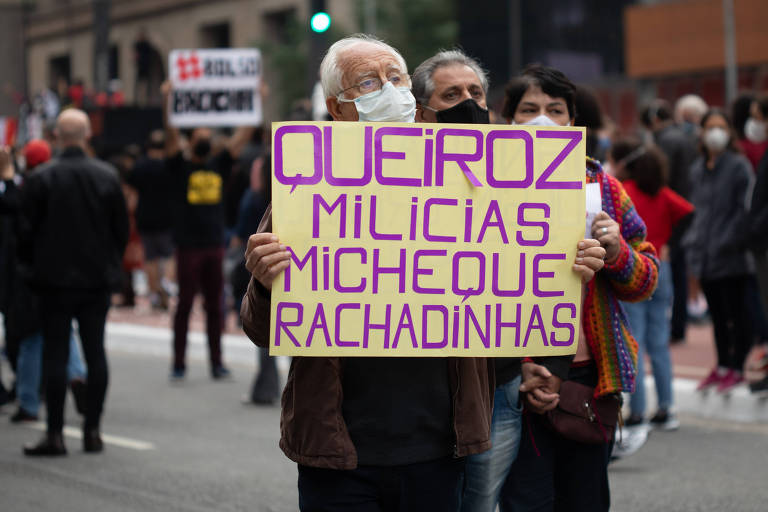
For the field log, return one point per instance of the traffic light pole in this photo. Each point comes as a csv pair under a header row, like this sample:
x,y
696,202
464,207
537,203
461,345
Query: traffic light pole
x,y
318,41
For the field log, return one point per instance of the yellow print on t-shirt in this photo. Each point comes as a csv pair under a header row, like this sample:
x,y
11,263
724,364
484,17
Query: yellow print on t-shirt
x,y
204,187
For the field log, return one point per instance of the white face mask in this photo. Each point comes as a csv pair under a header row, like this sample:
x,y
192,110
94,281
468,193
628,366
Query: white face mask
x,y
755,130
396,105
541,120
716,139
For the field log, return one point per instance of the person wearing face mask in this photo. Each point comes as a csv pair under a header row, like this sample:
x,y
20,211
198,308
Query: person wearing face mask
x,y
716,246
755,141
741,111
759,216
451,87
197,186
642,171
379,434
680,149
689,110
553,471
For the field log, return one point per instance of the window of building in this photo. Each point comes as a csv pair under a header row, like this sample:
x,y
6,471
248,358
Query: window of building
x,y
114,62
216,35
59,67
277,25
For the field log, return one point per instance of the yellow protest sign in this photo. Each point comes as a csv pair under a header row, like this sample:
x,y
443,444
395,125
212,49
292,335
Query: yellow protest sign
x,y
427,239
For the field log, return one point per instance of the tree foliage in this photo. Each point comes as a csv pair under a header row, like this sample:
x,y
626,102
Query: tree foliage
x,y
417,28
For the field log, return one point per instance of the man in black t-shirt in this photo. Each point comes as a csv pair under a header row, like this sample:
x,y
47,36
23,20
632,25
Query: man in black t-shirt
x,y
153,216
198,231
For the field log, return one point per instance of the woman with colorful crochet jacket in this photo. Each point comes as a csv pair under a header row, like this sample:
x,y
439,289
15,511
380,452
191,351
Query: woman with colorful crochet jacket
x,y
553,472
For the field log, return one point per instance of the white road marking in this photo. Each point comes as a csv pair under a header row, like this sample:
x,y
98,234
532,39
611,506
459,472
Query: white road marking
x,y
156,341
123,442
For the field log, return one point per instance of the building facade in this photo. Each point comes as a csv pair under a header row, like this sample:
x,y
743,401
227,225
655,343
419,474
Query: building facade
x,y
59,36
676,48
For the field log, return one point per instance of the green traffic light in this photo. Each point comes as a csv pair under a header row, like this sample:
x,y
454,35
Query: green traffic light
x,y
320,22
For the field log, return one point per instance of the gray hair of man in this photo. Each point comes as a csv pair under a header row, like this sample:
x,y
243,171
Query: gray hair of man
x,y
423,85
331,73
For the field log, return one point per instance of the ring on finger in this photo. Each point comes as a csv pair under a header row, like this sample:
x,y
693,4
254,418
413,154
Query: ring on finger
x,y
603,230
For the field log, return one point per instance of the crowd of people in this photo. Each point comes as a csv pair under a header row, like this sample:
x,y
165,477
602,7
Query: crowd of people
x,y
684,214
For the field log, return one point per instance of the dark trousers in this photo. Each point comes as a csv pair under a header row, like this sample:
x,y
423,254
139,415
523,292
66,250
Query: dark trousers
x,y
756,310
433,486
731,319
199,269
552,473
89,308
680,293
266,386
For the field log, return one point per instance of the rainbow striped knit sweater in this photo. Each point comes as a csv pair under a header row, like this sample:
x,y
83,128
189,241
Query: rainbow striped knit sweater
x,y
632,278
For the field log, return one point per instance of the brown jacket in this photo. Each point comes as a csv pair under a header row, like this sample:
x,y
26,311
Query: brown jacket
x,y
312,428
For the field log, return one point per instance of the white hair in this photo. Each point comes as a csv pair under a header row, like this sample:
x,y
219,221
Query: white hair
x,y
330,73
690,105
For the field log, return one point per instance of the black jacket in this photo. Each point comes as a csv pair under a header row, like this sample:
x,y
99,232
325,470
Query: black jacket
x,y
9,205
17,302
74,224
716,242
759,208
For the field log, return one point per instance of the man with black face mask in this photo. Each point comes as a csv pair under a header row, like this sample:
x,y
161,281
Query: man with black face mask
x,y
198,230
450,87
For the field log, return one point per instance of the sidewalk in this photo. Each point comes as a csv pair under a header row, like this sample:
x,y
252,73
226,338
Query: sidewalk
x,y
692,361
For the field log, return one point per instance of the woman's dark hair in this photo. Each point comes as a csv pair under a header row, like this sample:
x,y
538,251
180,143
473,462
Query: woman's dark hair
x,y
762,105
740,113
645,165
552,82
717,112
588,115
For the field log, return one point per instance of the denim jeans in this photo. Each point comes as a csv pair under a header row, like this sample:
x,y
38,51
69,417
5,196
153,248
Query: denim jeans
x,y
649,321
30,366
486,472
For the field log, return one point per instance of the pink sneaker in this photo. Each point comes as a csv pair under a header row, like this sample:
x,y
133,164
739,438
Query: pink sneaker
x,y
730,381
712,379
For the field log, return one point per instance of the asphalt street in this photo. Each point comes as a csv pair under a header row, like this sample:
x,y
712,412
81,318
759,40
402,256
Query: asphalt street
x,y
195,447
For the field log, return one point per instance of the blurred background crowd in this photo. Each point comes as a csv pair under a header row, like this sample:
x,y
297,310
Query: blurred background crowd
x,y
669,92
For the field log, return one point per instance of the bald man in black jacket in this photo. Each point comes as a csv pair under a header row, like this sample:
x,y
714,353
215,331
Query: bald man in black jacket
x,y
74,229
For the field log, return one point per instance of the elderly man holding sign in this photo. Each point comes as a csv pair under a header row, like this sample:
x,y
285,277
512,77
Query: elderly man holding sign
x,y
373,433
368,433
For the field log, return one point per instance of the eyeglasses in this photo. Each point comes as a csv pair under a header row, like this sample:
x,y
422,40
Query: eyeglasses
x,y
374,83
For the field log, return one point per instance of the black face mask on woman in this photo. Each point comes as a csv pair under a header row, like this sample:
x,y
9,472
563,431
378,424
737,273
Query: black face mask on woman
x,y
466,112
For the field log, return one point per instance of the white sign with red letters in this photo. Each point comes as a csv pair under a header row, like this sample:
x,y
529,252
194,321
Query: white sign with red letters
x,y
215,87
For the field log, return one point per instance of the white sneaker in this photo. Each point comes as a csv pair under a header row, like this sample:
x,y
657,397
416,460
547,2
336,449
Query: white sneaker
x,y
630,440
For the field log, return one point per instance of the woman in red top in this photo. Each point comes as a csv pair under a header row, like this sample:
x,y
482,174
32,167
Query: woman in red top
x,y
642,170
